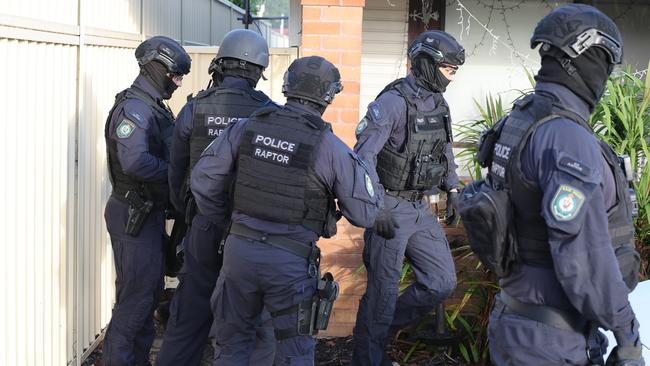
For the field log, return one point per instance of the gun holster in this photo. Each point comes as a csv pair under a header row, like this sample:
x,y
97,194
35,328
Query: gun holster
x,y
313,313
138,212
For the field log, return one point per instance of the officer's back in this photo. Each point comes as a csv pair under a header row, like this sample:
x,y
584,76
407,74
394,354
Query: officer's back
x,y
286,168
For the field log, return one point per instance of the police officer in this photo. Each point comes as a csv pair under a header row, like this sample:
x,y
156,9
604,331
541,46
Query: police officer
x,y
138,132
406,135
238,66
572,211
286,168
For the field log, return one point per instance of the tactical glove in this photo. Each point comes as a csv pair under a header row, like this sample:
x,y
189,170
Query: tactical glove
x,y
626,356
385,224
452,208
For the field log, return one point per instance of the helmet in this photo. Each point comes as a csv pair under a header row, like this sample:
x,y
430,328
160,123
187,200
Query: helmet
x,y
439,46
166,51
312,78
246,45
574,28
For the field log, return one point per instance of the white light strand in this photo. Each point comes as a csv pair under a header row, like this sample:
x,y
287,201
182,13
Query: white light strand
x,y
462,9
461,22
640,73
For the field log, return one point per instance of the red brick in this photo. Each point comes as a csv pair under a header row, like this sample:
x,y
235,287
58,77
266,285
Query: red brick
x,y
311,13
331,56
345,100
316,28
352,73
331,115
311,42
344,42
352,28
351,87
344,316
350,115
337,330
336,13
344,130
320,2
351,58
341,245
359,3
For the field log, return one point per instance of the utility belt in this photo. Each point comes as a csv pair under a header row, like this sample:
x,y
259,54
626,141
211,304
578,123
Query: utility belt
x,y
311,253
313,313
548,315
561,319
410,195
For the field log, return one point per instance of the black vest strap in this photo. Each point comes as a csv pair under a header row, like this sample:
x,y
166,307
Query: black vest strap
x,y
421,164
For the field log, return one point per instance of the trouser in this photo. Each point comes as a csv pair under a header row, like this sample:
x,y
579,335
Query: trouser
x,y
256,276
139,267
191,317
381,312
517,340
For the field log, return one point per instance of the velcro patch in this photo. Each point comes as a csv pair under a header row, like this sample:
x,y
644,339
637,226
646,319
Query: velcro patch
x,y
125,129
361,126
567,202
369,188
574,168
375,112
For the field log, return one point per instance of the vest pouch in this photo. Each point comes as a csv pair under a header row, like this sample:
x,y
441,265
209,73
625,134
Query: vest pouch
x,y
391,169
427,173
486,214
629,262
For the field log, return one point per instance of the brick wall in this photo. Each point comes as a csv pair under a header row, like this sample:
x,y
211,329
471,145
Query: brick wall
x,y
332,29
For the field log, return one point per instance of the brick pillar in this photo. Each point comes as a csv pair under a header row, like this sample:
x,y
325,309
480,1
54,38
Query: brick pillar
x,y
332,29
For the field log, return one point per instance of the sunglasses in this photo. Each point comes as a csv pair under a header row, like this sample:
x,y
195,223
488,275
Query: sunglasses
x,y
451,69
176,77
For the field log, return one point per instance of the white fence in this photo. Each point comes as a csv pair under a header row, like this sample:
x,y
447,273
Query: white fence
x,y
63,68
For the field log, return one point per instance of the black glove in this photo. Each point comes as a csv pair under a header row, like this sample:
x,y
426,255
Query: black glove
x,y
626,356
385,224
452,208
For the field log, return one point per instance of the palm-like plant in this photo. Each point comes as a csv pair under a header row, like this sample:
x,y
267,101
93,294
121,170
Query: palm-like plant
x,y
470,134
622,119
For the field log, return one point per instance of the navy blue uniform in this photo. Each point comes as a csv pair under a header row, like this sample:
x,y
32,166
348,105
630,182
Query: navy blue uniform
x,y
139,260
191,317
585,274
255,274
419,237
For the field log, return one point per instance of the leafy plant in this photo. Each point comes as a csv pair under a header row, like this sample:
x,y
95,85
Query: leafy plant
x,y
470,134
622,119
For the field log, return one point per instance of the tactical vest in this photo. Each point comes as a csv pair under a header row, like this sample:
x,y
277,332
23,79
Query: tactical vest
x,y
159,146
275,170
214,110
530,227
422,164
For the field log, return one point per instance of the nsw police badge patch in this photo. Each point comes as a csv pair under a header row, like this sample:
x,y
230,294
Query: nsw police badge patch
x,y
361,126
567,202
125,129
369,188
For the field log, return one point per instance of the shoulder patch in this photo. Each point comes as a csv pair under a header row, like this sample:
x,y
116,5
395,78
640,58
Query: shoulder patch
x,y
574,167
567,202
125,129
361,126
369,187
375,111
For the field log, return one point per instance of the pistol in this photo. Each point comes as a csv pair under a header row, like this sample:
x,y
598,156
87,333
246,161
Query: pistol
x,y
138,212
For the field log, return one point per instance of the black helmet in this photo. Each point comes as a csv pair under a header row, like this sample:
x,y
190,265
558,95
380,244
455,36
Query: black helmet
x,y
246,45
439,46
312,78
166,51
574,28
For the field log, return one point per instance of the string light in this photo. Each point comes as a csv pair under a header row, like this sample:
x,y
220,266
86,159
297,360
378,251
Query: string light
x,y
466,17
